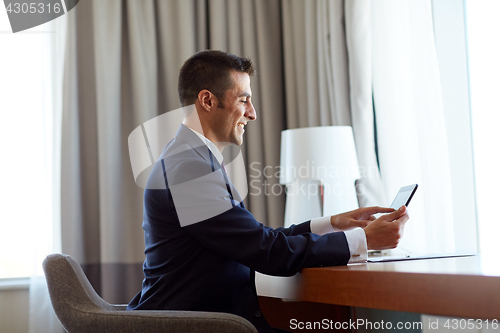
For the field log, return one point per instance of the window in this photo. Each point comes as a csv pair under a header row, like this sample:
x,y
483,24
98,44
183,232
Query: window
x,y
26,146
483,28
469,52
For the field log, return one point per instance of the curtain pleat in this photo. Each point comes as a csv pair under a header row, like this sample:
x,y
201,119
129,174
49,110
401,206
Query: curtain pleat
x,y
181,32
358,22
263,141
79,161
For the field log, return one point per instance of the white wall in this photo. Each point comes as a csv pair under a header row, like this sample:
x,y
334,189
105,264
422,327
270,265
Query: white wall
x,y
14,308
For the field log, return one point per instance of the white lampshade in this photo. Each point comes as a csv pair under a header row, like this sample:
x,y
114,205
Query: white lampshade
x,y
323,155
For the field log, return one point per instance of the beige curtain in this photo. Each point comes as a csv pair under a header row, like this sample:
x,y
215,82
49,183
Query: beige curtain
x,y
327,59
121,69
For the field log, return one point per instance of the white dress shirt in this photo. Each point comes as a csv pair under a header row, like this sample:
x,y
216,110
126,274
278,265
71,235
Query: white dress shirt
x,y
356,238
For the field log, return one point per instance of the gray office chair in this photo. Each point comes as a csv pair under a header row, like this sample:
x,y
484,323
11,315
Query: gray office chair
x,y
80,309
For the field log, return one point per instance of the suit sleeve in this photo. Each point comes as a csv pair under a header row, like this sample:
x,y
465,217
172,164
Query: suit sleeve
x,y
209,213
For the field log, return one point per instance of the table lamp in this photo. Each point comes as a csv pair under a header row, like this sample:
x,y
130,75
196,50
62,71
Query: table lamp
x,y
319,168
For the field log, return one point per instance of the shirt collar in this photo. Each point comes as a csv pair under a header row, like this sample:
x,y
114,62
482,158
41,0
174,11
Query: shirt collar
x,y
213,148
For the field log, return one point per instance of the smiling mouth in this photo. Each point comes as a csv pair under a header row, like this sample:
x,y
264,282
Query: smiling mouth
x,y
241,125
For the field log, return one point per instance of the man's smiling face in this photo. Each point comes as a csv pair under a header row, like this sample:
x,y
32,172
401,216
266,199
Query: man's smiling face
x,y
229,122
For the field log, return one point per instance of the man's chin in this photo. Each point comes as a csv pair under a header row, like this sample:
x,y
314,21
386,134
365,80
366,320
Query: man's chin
x,y
237,141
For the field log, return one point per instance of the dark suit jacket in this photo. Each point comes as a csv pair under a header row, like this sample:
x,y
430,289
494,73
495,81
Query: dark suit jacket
x,y
203,246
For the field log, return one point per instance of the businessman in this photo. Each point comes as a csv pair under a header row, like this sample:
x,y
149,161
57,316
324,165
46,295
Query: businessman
x,y
202,246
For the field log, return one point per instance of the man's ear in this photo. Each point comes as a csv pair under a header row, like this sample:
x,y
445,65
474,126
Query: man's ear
x,y
207,100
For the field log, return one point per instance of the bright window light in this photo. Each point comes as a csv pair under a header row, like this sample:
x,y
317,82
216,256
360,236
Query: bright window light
x,y
483,28
25,191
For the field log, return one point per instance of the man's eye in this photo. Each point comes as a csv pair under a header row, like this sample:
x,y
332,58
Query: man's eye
x,y
244,101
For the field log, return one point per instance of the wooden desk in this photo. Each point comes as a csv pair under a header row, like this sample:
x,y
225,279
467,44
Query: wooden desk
x,y
466,287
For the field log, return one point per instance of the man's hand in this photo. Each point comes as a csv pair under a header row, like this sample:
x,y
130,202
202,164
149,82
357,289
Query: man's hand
x,y
386,231
360,217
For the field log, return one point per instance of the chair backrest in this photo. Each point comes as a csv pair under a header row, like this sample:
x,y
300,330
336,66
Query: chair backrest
x,y
80,309
70,291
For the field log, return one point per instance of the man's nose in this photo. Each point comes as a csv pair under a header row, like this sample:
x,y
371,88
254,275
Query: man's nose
x,y
250,112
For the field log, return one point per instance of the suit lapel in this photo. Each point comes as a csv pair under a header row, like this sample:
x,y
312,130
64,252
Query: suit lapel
x,y
187,135
190,138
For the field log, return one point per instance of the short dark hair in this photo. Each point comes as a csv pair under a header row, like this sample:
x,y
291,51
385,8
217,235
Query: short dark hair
x,y
210,70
